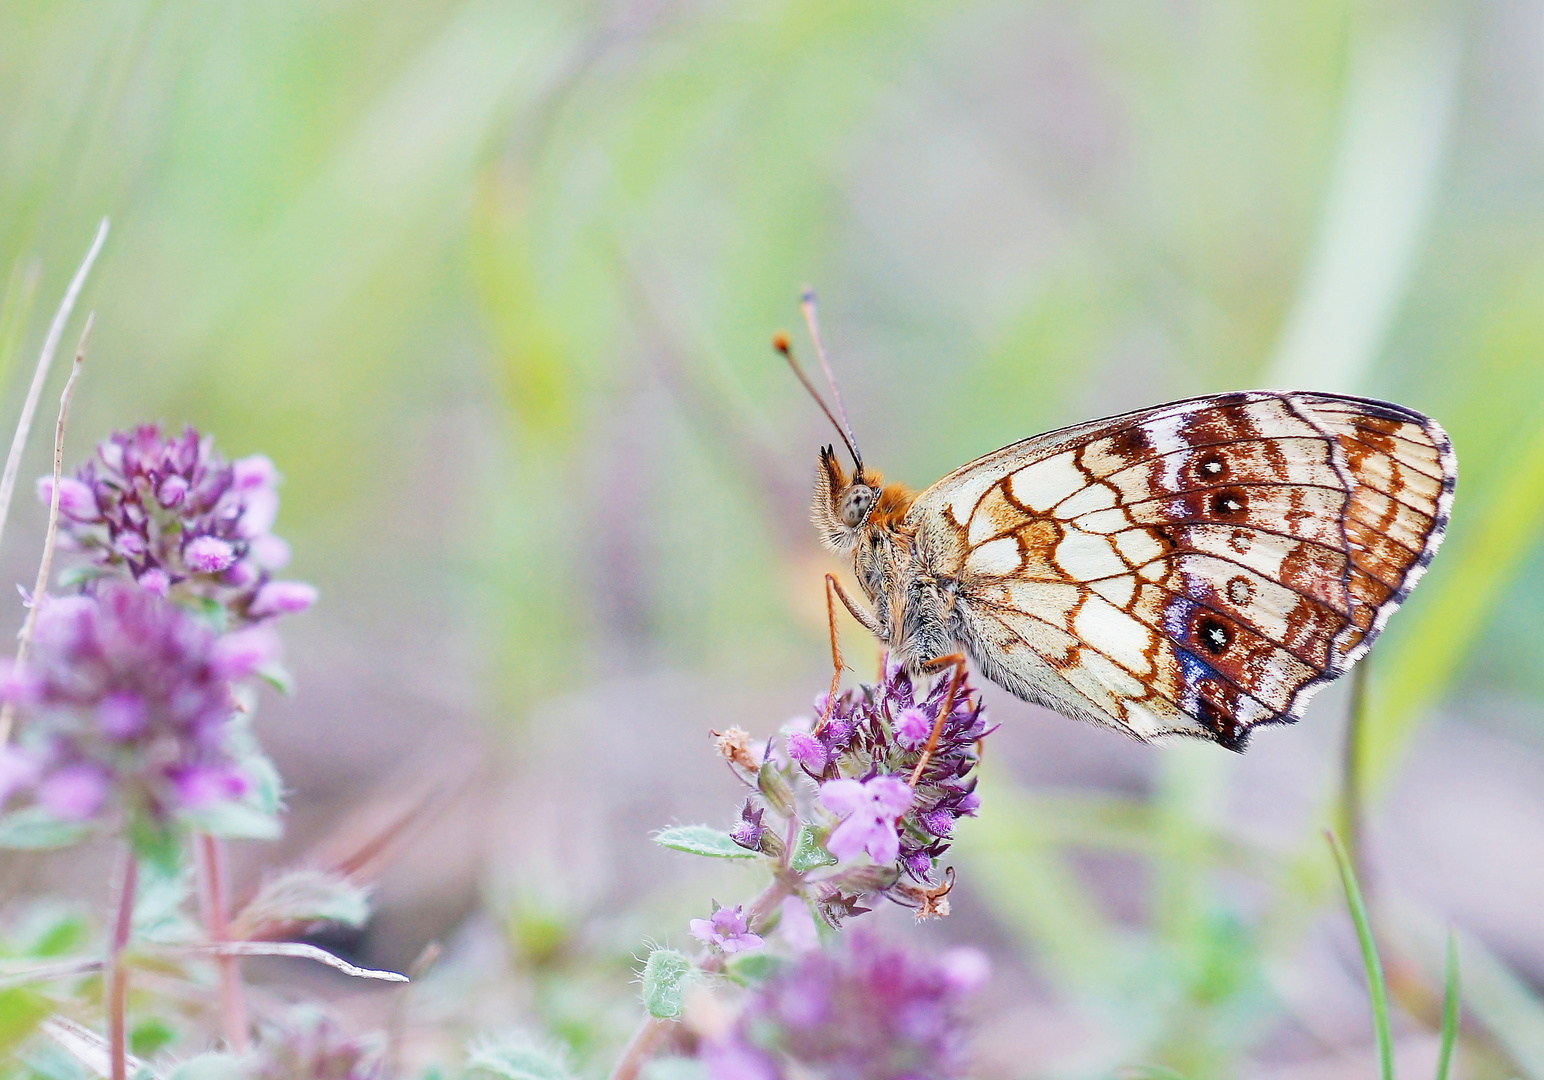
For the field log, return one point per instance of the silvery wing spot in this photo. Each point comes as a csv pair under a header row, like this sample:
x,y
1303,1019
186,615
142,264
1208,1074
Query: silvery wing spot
x,y
1200,568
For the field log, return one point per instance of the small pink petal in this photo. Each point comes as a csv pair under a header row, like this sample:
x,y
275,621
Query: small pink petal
x,y
892,796
73,793
269,552
260,509
851,836
883,846
156,582
252,472
842,797
238,654
965,969
17,770
282,598
121,714
201,787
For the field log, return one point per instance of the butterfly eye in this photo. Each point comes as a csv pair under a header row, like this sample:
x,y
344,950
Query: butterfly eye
x,y
856,501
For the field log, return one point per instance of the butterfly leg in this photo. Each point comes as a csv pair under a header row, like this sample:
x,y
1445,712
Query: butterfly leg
x,y
957,660
834,592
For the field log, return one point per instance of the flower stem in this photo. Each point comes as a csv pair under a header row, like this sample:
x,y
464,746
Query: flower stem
x,y
214,901
646,1037
24,639
117,977
639,1049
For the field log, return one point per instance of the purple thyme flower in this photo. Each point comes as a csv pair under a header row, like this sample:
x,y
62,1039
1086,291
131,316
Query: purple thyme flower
x,y
747,833
868,809
912,727
726,929
173,514
882,730
307,1044
125,706
861,1011
808,751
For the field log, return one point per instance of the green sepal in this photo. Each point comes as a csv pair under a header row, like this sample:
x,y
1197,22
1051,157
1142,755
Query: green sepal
x,y
666,975
808,853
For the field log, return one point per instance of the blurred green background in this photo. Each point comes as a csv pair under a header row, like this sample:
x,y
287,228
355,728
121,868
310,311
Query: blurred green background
x,y
492,283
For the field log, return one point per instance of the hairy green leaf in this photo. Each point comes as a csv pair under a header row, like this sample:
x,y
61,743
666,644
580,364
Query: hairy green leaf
x,y
701,840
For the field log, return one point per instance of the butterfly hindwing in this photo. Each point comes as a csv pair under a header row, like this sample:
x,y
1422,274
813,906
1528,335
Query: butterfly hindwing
x,y
1199,568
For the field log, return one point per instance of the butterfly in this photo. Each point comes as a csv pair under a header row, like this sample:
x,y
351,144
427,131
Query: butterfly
x,y
1199,568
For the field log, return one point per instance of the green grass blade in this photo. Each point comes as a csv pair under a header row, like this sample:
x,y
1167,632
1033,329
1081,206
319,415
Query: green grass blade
x,y
1449,1007
1376,987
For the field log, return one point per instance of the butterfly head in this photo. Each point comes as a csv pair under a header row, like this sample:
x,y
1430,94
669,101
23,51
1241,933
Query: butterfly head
x,y
846,506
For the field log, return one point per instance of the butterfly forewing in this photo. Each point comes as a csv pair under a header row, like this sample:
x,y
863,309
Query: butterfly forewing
x,y
1198,568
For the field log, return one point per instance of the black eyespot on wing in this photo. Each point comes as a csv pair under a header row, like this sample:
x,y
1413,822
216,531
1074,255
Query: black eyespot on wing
x,y
1214,635
1229,503
1212,467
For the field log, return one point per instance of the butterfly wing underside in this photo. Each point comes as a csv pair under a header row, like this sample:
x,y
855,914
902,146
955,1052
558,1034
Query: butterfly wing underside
x,y
1199,568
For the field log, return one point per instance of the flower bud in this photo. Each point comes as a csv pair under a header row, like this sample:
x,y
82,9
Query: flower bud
x,y
208,554
252,472
807,751
239,654
172,491
775,790
282,598
912,727
76,500
770,845
73,793
874,878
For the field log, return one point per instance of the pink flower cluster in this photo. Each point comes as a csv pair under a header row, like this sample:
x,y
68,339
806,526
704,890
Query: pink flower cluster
x,y
865,755
125,706
862,1010
180,520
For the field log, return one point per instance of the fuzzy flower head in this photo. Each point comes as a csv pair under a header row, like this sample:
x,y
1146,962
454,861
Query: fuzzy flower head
x,y
125,707
863,1010
726,929
306,1044
865,755
174,515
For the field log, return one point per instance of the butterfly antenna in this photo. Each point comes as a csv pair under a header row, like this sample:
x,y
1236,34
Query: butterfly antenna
x,y
807,305
781,343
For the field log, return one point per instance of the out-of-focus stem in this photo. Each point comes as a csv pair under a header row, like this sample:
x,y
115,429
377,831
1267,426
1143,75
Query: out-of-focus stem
x,y
40,373
214,902
24,639
646,1038
117,977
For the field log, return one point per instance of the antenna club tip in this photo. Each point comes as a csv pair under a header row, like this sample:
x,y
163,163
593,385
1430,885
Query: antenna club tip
x,y
807,296
780,342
